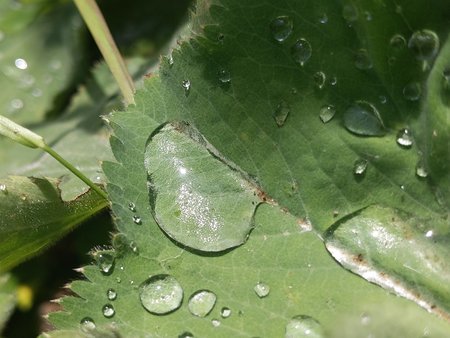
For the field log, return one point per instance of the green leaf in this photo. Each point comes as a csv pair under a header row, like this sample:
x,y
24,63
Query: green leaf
x,y
34,216
40,61
7,298
264,116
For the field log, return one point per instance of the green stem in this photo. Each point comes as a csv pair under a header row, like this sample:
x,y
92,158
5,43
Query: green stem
x,y
93,18
74,170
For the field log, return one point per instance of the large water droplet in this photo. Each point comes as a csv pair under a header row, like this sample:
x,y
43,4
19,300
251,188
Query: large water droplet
x,y
187,86
105,261
412,91
87,324
303,327
405,138
281,27
350,14
424,44
202,302
281,113
21,64
362,60
327,112
397,41
225,312
319,79
262,289
360,166
108,311
301,51
363,118
111,294
224,76
161,294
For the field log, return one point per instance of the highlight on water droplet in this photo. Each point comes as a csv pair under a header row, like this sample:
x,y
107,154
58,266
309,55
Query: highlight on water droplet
x,y
87,324
327,113
360,166
301,51
281,113
202,302
21,64
397,41
405,138
105,261
137,219
108,311
161,294
362,60
319,79
224,76
262,290
281,28
303,326
225,312
424,44
111,294
412,91
363,118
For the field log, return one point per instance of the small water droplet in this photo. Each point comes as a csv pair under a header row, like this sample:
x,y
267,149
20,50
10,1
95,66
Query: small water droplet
x,y
3,188
360,166
320,79
383,99
202,302
21,64
170,60
215,322
405,138
225,312
16,104
224,76
137,219
281,113
161,294
118,280
134,247
301,51
186,335
424,44
132,206
327,112
108,311
187,86
323,19
362,60
87,324
262,290
397,41
412,91
363,118
429,234
281,27
333,81
36,92
350,14
421,170
111,294
303,327
105,261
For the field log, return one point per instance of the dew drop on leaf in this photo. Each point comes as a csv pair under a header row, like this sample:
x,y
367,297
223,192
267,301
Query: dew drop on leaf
x,y
161,294
397,41
327,113
421,170
303,327
132,206
186,335
301,51
137,219
320,79
87,324
333,81
363,118
405,138
224,76
225,312
323,19
134,248
360,166
21,64
202,302
281,28
105,261
262,289
108,311
111,294
412,91
362,60
281,113
215,322
424,44
187,86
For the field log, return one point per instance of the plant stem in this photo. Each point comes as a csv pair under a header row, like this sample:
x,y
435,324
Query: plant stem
x,y
74,170
93,18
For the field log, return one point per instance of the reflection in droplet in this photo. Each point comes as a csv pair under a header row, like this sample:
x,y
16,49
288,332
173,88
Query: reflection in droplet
x,y
412,91
405,138
132,206
301,51
281,27
21,64
105,261
108,311
362,60
262,289
161,294
202,302
281,113
363,118
320,79
360,166
303,327
327,113
424,44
